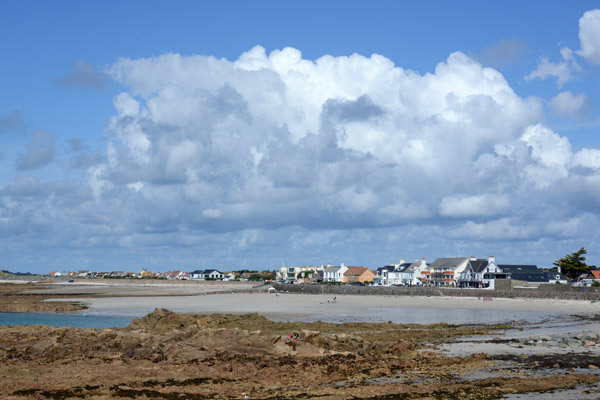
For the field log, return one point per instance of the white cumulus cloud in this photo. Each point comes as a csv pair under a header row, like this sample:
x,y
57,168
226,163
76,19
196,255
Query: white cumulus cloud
x,y
265,150
589,36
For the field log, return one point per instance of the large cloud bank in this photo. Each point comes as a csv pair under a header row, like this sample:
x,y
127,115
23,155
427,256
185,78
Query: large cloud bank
x,y
277,151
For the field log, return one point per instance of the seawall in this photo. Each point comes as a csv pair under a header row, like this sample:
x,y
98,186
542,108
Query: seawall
x,y
562,292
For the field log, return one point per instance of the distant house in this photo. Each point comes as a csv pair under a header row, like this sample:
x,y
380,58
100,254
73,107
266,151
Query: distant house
x,y
206,274
447,271
358,275
419,271
589,278
482,274
317,276
295,274
147,274
400,275
409,274
54,273
531,275
334,273
229,276
382,276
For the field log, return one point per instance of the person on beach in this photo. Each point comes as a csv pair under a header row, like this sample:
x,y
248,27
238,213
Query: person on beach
x,y
293,340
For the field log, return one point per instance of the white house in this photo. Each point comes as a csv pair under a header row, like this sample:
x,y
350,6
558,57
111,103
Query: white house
x,y
382,276
419,271
293,274
481,273
206,274
229,277
402,274
447,271
334,273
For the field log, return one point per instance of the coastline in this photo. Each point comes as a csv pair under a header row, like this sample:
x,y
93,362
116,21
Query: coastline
x,y
140,297
298,305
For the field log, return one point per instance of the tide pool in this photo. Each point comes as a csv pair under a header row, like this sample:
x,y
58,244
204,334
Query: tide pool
x,y
61,320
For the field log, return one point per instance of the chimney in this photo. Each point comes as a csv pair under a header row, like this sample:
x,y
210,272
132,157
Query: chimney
x,y
491,259
473,258
423,261
402,261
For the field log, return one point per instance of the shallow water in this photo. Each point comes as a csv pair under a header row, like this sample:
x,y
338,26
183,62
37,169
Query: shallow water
x,y
79,320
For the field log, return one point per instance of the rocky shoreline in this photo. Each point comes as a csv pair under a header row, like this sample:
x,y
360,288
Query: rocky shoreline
x,y
168,355
176,356
15,298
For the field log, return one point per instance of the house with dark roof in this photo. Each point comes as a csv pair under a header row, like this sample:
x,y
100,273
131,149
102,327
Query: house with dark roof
x,y
382,275
404,273
531,275
482,273
206,274
401,274
418,271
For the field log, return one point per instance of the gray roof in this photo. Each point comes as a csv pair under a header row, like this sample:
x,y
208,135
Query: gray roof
x,y
332,269
402,267
205,271
478,265
531,269
387,268
450,262
413,267
537,277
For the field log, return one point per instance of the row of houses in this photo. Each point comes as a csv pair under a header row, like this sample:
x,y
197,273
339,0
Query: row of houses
x,y
464,272
329,273
200,274
208,274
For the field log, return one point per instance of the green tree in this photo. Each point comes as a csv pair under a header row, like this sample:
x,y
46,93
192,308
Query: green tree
x,y
573,265
255,277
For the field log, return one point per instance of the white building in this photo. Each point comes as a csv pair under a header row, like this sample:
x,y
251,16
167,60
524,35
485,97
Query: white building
x,y
334,273
295,274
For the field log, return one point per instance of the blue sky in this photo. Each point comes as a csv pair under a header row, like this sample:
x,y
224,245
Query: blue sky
x,y
252,134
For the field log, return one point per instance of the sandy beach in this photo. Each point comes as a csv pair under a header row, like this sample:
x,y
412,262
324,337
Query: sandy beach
x,y
236,298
